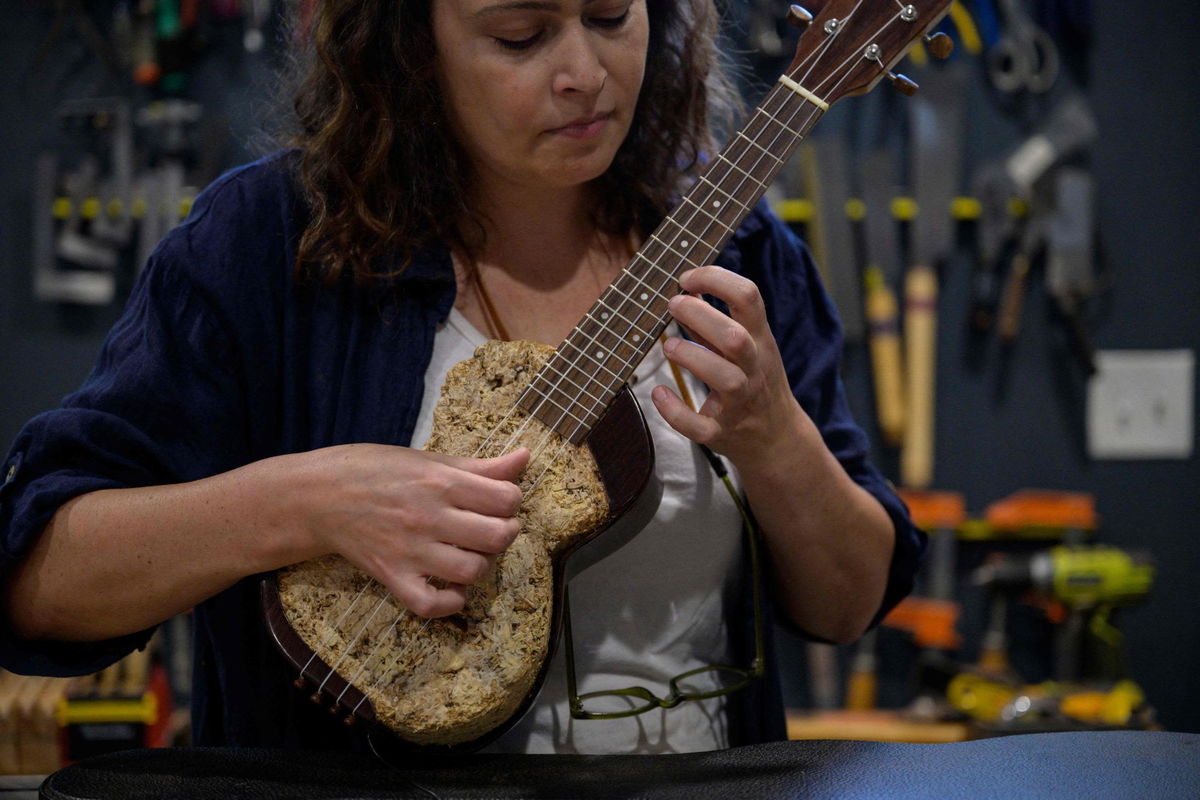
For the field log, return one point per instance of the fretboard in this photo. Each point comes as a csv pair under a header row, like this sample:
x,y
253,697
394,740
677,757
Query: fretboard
x,y
598,357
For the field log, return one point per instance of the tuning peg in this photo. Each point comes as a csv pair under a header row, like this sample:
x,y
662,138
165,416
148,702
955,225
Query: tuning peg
x,y
904,84
940,45
799,17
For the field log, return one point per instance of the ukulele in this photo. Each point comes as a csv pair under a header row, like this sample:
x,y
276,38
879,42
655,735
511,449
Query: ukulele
x,y
456,683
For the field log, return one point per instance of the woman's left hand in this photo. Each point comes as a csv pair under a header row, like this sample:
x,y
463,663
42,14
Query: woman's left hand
x,y
750,406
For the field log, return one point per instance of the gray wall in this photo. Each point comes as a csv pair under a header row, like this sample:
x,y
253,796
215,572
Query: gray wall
x,y
1001,426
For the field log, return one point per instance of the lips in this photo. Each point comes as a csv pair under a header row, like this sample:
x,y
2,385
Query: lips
x,y
585,127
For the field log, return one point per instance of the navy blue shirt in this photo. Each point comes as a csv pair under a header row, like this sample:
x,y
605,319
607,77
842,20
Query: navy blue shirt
x,y
222,358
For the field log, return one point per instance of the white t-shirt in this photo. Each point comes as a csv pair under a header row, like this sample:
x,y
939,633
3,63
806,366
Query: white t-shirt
x,y
650,611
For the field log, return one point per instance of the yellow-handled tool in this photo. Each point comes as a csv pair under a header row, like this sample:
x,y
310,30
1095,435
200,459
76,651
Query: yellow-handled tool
x,y
882,309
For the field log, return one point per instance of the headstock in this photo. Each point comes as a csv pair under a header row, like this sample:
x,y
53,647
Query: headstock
x,y
851,44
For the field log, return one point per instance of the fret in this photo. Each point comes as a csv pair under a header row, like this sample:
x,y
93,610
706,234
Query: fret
x,y
638,332
600,361
566,411
771,118
682,258
717,203
645,297
602,352
756,181
639,256
701,240
583,390
759,147
704,211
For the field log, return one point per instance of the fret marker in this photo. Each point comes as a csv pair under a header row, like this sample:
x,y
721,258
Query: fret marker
x,y
716,203
599,355
603,315
684,243
805,93
637,337
643,297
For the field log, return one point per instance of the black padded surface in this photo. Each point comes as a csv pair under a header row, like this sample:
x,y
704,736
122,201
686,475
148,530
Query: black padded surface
x,y
1117,764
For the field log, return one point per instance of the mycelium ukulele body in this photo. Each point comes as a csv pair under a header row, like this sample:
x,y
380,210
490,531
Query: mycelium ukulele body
x,y
446,681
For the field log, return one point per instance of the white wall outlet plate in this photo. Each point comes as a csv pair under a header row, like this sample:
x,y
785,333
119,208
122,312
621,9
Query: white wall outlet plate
x,y
1140,404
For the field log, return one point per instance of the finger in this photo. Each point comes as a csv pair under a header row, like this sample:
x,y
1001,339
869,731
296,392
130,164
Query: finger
x,y
493,498
456,565
483,485
675,412
740,294
478,532
425,599
717,372
723,334
507,467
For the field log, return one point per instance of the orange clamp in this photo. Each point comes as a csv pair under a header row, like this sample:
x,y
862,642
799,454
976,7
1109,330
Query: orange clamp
x,y
1043,508
935,510
930,621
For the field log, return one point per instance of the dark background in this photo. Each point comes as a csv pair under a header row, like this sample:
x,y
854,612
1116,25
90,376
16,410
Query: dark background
x,y
1005,421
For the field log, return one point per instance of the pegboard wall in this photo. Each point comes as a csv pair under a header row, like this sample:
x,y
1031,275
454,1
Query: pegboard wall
x,y
1009,415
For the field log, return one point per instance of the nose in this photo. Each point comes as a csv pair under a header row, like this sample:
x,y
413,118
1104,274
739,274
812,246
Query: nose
x,y
579,67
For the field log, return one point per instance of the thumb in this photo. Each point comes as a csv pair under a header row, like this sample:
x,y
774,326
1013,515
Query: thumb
x,y
507,467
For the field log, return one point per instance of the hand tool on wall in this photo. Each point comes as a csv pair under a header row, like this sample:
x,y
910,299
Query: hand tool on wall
x,y
936,135
1028,245
1024,58
78,236
168,126
1008,182
1070,277
879,278
824,173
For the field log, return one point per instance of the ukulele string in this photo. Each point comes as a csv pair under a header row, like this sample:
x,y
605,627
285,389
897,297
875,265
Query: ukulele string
x,y
633,325
412,640
816,54
813,115
658,323
332,634
346,650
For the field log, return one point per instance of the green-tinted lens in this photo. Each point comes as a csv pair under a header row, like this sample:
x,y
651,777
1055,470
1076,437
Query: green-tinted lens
x,y
614,704
706,682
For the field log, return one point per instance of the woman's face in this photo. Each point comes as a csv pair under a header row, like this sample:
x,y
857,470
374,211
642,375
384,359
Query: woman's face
x,y
540,93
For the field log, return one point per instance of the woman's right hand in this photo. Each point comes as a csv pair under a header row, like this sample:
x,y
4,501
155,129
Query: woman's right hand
x,y
404,516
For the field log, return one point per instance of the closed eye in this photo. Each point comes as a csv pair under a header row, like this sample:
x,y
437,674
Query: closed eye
x,y
610,22
518,44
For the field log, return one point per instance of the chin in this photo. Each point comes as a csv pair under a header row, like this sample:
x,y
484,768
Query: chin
x,y
573,173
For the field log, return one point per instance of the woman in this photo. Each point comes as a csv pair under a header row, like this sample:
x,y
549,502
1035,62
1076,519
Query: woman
x,y
466,168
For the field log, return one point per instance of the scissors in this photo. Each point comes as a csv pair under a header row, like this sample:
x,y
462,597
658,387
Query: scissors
x,y
1024,57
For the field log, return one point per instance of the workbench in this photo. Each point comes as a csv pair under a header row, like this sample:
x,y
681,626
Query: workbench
x,y
1116,764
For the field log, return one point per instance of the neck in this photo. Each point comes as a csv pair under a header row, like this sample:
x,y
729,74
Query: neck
x,y
535,234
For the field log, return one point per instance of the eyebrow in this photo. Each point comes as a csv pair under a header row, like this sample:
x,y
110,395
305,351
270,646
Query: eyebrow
x,y
521,5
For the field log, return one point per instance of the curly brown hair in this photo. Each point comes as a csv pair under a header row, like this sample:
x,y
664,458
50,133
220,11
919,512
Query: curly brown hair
x,y
384,177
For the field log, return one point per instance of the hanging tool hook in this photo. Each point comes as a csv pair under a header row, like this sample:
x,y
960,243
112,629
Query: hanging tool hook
x,y
1024,57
